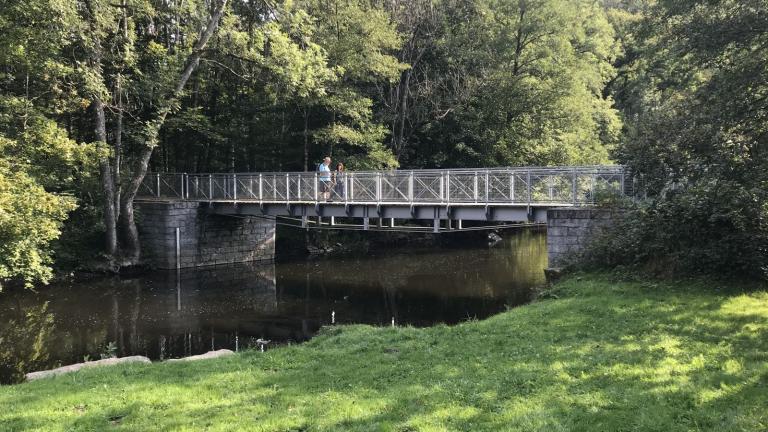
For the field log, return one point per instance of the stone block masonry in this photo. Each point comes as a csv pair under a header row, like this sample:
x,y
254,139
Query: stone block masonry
x,y
204,238
570,230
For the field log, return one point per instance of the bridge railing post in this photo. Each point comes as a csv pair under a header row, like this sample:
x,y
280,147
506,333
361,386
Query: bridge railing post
x,y
261,188
157,192
574,186
623,192
487,189
528,185
512,186
551,187
410,187
345,176
442,186
234,186
299,182
210,186
315,186
475,187
447,187
287,187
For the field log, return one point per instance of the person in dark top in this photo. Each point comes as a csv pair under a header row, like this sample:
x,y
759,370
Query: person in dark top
x,y
338,180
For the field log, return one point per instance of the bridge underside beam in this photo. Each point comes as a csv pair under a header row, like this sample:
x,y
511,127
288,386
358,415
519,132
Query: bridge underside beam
x,y
496,213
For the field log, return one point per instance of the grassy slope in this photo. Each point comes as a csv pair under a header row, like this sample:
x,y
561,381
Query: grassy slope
x,y
604,356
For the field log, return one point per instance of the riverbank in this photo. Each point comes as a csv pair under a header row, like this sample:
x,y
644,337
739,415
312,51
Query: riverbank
x,y
594,355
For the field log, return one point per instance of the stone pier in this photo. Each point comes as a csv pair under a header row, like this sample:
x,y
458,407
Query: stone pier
x,y
204,238
569,231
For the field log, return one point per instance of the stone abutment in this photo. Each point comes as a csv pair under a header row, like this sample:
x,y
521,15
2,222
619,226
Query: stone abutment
x,y
569,231
203,238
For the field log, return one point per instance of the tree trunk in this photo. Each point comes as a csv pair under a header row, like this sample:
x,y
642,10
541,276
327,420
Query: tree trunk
x,y
519,41
118,146
306,139
107,183
403,114
105,169
130,234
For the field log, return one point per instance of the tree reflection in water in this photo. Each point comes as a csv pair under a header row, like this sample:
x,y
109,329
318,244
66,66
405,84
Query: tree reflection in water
x,y
26,334
162,314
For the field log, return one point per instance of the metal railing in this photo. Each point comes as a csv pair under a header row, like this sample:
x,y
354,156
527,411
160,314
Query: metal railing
x,y
524,186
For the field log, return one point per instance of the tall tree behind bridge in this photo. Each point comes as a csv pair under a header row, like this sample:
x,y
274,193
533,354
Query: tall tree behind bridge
x,y
277,113
503,83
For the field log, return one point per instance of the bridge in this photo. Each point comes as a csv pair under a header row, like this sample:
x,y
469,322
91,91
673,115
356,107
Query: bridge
x,y
191,220
495,194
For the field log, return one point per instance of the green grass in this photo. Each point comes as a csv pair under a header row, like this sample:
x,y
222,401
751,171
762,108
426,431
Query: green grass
x,y
603,356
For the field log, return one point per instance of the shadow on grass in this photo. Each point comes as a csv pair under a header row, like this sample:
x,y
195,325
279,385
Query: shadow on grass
x,y
608,357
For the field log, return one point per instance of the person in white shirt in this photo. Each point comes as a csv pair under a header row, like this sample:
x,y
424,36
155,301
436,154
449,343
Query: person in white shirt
x,y
325,178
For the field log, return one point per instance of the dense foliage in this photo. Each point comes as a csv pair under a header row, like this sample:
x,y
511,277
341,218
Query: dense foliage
x,y
695,93
96,93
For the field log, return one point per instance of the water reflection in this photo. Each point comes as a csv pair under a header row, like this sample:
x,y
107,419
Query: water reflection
x,y
165,314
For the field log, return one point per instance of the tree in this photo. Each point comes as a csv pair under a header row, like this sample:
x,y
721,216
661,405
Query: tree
x,y
360,39
695,103
515,83
30,218
43,170
119,38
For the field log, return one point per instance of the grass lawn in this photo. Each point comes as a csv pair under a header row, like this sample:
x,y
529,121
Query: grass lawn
x,y
602,356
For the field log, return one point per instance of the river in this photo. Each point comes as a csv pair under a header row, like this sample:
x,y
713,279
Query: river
x,y
165,315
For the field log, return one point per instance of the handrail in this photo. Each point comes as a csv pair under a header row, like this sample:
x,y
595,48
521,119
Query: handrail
x,y
563,185
568,168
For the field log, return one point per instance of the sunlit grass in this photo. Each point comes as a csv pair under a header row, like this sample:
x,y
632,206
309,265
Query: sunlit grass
x,y
603,356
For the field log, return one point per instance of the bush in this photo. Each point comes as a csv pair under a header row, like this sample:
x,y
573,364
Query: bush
x,y
715,227
30,219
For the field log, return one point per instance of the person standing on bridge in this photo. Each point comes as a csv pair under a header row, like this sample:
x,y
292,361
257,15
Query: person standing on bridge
x,y
338,181
324,171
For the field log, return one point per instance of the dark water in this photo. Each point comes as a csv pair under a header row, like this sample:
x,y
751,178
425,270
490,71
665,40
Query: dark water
x,y
160,315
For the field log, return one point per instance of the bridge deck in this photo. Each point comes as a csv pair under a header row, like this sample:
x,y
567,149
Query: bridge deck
x,y
501,194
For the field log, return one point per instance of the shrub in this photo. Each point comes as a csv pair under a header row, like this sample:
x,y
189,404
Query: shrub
x,y
717,227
